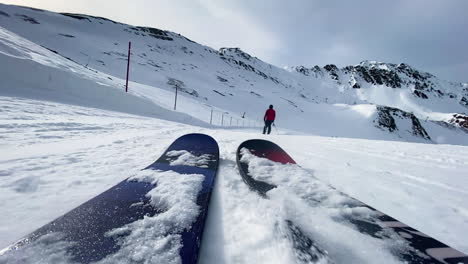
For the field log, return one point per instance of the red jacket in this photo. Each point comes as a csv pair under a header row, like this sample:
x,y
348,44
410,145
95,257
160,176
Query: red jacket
x,y
269,115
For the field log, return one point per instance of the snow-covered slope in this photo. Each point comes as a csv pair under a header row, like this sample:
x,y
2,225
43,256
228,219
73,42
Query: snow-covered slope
x,y
56,156
68,131
321,101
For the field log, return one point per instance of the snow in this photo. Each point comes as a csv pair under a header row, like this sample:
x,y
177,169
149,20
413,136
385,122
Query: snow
x,y
412,182
69,132
324,206
184,157
157,239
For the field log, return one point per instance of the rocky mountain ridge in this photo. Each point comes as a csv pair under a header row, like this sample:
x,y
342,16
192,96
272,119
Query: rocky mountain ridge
x,y
397,76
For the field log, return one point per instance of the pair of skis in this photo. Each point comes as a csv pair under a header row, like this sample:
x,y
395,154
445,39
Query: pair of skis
x,y
131,222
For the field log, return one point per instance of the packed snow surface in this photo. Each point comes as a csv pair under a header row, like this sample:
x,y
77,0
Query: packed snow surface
x,y
57,156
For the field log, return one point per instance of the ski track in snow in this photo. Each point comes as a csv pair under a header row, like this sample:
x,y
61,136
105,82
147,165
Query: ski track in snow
x,y
49,165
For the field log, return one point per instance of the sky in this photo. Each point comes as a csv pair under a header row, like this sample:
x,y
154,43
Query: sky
x,y
431,35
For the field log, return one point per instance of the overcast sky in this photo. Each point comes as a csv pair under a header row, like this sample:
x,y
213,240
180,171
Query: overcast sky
x,y
431,35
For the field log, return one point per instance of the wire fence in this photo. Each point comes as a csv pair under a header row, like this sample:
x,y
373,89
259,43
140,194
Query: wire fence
x,y
227,119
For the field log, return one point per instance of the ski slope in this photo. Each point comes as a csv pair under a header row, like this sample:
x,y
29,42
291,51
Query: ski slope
x,y
57,156
91,53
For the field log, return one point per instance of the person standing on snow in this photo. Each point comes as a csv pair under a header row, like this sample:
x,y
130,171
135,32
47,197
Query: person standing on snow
x,y
269,118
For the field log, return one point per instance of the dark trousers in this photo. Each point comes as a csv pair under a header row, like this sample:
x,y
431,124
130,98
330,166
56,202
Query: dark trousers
x,y
267,127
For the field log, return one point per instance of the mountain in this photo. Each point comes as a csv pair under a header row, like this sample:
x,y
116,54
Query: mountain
x,y
372,100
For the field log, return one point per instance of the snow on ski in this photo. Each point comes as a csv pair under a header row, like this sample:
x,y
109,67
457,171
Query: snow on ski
x,y
304,248
156,216
268,170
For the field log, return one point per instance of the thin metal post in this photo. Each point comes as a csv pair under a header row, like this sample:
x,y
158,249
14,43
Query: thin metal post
x,y
175,101
211,117
128,65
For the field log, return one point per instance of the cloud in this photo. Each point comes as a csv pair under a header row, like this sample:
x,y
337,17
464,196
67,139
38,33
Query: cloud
x,y
236,29
430,35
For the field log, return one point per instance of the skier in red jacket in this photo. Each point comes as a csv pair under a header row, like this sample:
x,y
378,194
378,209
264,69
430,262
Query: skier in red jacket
x,y
269,118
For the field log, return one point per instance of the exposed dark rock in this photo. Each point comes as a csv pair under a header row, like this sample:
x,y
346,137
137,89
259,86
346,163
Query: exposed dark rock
x,y
464,101
303,70
230,56
364,74
389,78
220,93
420,94
375,75
152,63
386,121
153,32
348,69
235,51
256,94
4,14
333,71
289,101
53,51
330,67
66,35
356,86
120,54
419,86
193,92
460,120
87,17
186,50
76,16
412,73
28,19
318,71
221,79
248,67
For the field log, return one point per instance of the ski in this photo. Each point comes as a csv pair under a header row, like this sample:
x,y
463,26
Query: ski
x,y
419,247
156,216
305,249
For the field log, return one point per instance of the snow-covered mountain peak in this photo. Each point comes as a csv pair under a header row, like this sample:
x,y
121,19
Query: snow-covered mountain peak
x,y
245,60
236,52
